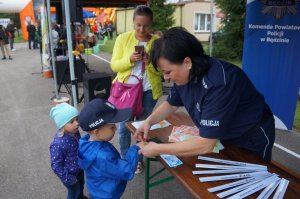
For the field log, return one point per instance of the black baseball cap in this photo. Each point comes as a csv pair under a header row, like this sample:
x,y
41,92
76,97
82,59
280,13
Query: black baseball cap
x,y
99,112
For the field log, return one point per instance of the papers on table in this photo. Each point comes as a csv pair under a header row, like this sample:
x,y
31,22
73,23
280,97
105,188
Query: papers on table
x,y
183,132
171,160
233,176
214,166
159,125
281,189
268,190
224,171
255,187
230,162
237,189
218,147
254,177
236,183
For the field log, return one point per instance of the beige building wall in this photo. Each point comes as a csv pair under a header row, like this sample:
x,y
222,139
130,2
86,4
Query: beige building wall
x,y
178,15
124,20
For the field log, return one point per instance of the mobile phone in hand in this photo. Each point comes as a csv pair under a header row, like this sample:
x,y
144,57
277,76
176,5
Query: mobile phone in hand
x,y
140,49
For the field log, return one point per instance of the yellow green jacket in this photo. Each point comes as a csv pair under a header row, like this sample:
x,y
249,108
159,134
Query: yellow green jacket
x,y
120,61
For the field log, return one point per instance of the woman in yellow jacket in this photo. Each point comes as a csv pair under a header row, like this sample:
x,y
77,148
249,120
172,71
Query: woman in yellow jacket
x,y
126,61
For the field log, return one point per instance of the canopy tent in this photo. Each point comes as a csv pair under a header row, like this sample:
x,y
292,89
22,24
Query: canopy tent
x,y
108,3
87,14
12,6
15,6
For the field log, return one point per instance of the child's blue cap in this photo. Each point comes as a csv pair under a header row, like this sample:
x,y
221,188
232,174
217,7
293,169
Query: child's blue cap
x,y
62,114
99,112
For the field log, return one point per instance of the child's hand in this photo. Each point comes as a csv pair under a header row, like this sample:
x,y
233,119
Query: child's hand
x,y
150,150
141,144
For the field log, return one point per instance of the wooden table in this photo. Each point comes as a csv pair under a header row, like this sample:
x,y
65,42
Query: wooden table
x,y
198,189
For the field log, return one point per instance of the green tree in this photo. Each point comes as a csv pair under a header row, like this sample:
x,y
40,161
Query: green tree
x,y
12,16
230,43
163,15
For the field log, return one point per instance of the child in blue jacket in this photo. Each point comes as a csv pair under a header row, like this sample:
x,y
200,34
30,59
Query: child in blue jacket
x,y
63,150
106,172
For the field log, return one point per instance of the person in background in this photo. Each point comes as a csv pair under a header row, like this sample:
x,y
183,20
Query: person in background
x,y
39,35
111,30
31,35
105,29
11,28
219,97
106,172
94,28
63,150
55,35
36,36
127,61
99,33
4,43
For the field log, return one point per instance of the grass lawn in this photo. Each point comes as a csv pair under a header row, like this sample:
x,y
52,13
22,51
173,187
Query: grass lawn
x,y
109,48
109,45
297,117
19,38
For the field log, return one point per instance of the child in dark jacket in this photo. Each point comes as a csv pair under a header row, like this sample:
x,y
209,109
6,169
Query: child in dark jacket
x,y
63,150
4,43
106,172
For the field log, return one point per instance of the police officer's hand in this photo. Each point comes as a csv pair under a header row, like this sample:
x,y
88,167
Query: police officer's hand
x,y
149,150
134,57
141,134
141,144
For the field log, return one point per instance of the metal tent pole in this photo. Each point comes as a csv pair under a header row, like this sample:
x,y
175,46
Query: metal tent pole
x,y
211,25
70,54
51,49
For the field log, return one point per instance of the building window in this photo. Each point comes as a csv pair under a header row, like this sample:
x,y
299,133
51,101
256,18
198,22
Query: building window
x,y
202,22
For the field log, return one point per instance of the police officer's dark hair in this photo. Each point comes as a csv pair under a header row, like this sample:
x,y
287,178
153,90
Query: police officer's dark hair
x,y
175,45
143,10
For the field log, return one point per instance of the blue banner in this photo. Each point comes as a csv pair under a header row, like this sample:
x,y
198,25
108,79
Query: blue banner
x,y
271,56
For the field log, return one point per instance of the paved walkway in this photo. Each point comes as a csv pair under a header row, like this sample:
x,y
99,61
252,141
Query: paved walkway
x,y
26,132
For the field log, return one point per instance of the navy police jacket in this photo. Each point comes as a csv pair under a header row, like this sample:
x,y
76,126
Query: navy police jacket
x,y
223,104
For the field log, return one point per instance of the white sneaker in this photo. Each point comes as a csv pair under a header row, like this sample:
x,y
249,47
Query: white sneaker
x,y
140,168
13,49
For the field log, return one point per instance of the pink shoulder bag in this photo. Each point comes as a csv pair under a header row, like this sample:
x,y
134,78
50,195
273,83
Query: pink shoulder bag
x,y
125,95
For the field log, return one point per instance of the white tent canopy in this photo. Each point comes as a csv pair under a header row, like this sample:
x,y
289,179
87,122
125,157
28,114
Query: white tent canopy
x,y
12,6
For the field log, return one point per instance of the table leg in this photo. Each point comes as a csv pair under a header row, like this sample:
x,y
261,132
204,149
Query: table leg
x,y
149,185
147,178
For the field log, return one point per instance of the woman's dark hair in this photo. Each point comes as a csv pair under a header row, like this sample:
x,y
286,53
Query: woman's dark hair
x,y
175,45
143,11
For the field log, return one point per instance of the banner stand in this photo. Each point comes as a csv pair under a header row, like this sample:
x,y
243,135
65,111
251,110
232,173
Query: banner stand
x,y
271,55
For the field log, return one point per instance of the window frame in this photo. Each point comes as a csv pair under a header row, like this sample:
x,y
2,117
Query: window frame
x,y
206,14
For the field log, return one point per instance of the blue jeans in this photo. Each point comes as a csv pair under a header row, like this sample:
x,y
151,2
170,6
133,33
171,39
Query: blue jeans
x,y
31,38
75,191
11,42
124,134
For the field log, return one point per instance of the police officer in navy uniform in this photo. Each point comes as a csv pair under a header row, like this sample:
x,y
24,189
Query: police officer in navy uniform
x,y
219,97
